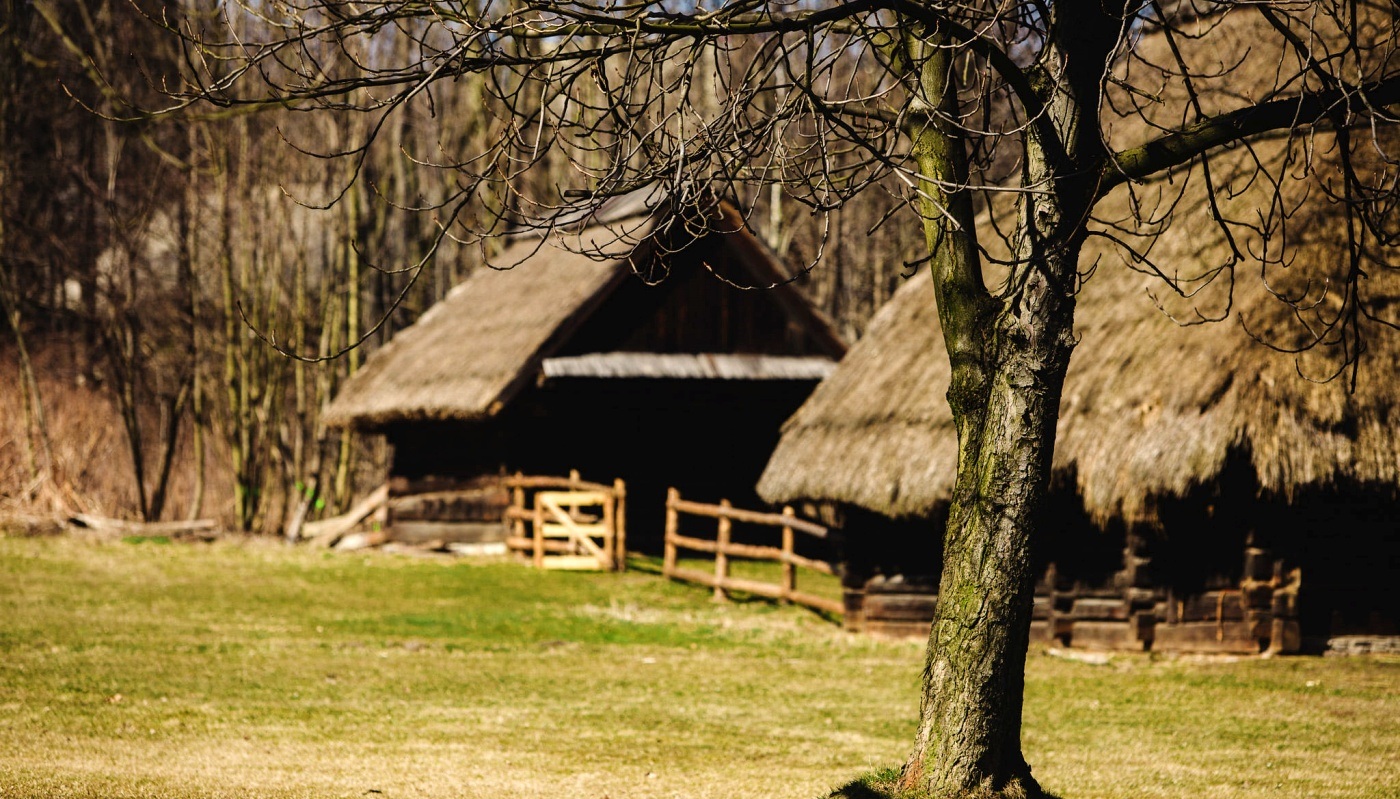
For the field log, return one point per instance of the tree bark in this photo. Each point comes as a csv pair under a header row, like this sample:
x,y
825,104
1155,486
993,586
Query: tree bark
x,y
1009,354
969,736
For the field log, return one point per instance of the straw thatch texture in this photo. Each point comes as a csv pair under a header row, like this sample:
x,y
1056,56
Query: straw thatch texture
x,y
467,353
1152,407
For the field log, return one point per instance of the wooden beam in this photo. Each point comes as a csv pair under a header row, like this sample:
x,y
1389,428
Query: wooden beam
x,y
538,482
339,525
749,516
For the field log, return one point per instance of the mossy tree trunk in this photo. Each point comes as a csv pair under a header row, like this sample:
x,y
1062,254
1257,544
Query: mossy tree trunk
x,y
1009,352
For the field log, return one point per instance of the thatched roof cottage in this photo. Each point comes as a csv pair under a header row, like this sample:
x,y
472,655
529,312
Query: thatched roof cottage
x,y
618,347
1192,454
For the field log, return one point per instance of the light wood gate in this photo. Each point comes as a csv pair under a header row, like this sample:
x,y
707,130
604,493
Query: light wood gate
x,y
575,519
572,524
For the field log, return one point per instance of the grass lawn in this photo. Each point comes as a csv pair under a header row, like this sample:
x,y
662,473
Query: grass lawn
x,y
250,669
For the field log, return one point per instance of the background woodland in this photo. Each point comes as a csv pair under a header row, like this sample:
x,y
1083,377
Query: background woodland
x,y
148,267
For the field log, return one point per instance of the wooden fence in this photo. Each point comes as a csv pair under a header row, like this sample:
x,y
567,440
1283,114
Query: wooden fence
x,y
723,548
548,521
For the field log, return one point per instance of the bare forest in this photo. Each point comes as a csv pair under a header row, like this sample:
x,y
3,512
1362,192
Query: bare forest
x,y
153,273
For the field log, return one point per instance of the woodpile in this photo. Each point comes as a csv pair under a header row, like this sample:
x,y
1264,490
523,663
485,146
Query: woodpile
x,y
330,532
201,529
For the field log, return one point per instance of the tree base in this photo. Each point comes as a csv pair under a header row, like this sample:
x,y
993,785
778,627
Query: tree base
x,y
884,784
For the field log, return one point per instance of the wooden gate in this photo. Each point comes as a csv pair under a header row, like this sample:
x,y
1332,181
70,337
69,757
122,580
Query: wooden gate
x,y
575,519
573,524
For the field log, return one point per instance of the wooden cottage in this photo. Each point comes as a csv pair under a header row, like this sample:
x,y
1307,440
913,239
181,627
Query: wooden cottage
x,y
1214,494
1204,488
621,348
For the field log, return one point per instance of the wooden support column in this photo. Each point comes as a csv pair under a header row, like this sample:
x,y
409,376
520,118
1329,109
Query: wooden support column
x,y
517,503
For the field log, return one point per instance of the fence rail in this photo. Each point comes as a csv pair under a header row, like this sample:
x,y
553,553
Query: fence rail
x,y
722,547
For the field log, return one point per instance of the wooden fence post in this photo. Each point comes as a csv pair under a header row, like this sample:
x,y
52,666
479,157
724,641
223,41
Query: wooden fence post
x,y
789,569
539,533
668,562
620,523
517,502
722,552
609,531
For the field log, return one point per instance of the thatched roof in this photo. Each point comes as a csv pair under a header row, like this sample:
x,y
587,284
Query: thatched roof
x,y
1152,407
471,353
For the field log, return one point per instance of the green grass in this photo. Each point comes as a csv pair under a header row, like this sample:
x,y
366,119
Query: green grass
x,y
251,669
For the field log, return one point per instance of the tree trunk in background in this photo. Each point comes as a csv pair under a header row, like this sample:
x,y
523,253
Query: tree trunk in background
x,y
38,458
189,244
353,223
230,290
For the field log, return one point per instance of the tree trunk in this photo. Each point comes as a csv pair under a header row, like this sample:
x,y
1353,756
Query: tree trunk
x,y
1009,354
969,737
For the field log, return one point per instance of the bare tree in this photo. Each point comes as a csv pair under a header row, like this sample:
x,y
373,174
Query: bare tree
x,y
1028,112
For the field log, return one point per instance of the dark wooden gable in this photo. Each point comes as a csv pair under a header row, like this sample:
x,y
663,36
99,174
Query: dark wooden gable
x,y
681,305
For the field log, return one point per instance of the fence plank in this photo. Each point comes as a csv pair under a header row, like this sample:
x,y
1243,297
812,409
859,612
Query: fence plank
x,y
527,544
749,516
807,563
754,551
754,587
832,606
723,547
692,576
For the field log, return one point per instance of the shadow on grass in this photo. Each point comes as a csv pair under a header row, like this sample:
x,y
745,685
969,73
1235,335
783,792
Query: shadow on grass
x,y
881,785
875,785
644,564
647,564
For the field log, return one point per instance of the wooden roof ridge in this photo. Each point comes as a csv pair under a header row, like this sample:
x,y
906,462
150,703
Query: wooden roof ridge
x,y
690,366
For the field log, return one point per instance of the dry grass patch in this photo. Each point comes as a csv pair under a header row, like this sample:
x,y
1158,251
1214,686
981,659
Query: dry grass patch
x,y
251,669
